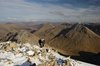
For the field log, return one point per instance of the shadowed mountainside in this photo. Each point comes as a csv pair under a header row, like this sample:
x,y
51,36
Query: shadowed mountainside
x,y
94,27
70,39
48,31
79,38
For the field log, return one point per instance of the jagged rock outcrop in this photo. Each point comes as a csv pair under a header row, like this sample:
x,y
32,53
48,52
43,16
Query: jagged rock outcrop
x,y
20,37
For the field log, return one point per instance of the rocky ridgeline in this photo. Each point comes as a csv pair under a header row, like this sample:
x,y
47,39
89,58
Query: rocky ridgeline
x,y
14,54
20,37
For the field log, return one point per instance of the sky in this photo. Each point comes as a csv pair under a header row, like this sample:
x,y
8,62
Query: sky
x,y
50,10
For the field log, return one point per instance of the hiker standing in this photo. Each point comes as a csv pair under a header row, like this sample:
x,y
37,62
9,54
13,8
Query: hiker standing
x,y
41,43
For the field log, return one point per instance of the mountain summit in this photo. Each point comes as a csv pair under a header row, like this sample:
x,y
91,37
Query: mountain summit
x,y
78,38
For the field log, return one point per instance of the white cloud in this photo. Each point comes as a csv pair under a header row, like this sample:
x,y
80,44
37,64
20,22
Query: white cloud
x,y
24,11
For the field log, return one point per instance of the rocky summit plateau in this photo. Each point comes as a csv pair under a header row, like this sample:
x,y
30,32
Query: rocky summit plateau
x,y
14,54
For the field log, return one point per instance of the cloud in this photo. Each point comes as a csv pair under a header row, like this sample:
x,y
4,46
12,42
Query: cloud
x,y
22,10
